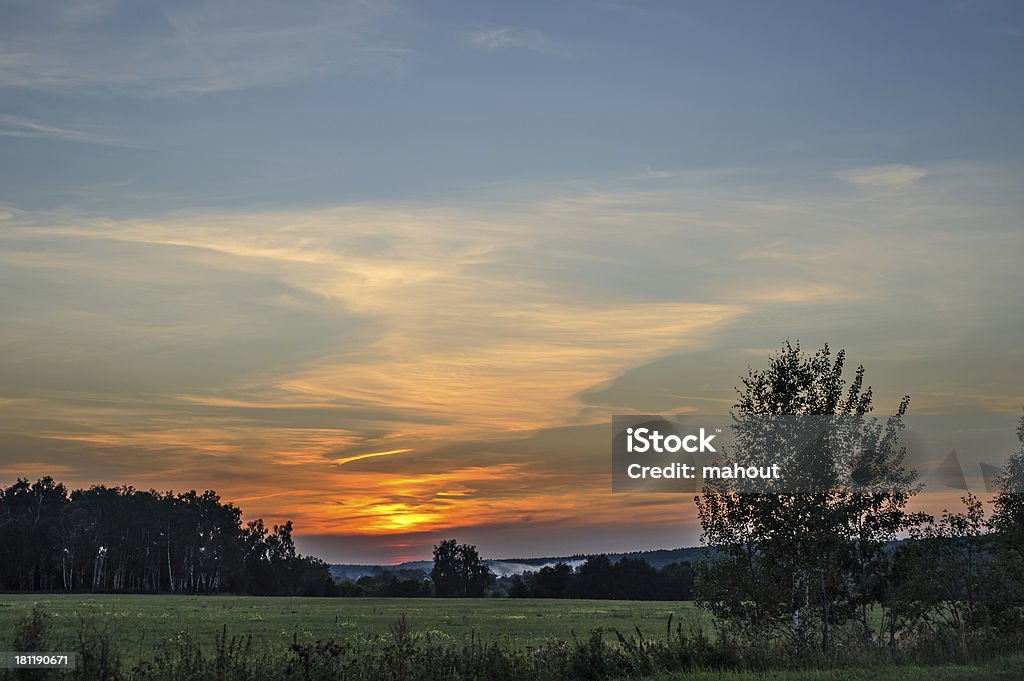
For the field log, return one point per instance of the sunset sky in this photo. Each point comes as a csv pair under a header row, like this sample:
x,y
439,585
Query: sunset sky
x,y
387,269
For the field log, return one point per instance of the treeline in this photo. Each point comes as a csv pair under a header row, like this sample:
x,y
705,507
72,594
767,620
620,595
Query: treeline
x,y
600,577
119,539
116,539
459,571
387,584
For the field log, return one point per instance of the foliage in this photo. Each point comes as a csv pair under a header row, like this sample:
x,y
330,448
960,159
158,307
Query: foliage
x,y
799,563
629,578
122,539
963,573
806,566
458,570
1008,517
389,584
1007,543
33,631
406,653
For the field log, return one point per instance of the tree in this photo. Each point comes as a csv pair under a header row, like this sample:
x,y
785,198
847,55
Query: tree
x,y
553,580
594,578
628,577
458,570
1007,524
1008,518
804,556
678,581
959,565
635,579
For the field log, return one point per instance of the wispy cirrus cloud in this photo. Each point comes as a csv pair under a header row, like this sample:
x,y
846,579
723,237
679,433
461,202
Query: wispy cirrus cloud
x,y
883,176
193,48
516,38
16,126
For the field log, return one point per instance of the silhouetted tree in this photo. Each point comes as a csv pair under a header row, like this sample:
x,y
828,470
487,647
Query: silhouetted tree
x,y
1008,517
799,562
678,581
594,578
1007,525
458,570
394,583
552,581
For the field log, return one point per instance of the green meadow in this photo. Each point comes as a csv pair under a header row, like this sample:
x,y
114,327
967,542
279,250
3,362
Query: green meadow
x,y
142,621
139,624
1006,668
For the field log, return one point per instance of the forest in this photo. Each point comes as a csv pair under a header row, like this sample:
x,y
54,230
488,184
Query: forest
x,y
119,539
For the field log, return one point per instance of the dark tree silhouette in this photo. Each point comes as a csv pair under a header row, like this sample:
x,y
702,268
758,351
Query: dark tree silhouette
x,y
629,578
552,581
122,539
1008,518
800,563
458,570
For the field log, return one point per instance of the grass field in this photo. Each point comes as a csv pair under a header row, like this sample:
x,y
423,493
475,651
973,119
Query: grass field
x,y
140,622
1007,668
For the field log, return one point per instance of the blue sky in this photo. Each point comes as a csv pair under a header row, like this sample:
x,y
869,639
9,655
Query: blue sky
x,y
246,245
148,106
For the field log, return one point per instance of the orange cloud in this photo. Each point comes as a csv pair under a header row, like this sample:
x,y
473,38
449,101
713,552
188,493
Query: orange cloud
x,y
290,359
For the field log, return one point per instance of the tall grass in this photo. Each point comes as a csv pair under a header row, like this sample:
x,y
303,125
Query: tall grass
x,y
404,654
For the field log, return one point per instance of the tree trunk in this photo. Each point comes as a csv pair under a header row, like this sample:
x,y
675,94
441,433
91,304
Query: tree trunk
x,y
170,568
825,614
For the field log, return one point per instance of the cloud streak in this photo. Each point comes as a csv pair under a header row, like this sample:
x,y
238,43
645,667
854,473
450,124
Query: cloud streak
x,y
893,175
16,126
359,457
194,48
516,38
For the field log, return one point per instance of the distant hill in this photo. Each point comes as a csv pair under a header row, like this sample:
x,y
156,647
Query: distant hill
x,y
510,566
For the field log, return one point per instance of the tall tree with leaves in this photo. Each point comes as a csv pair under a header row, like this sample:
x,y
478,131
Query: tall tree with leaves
x,y
803,557
458,570
1007,524
1008,519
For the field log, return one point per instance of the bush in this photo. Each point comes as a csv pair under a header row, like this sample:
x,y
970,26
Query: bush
x,y
406,654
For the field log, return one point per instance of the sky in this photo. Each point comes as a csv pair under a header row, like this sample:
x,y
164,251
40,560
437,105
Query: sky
x,y
387,269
